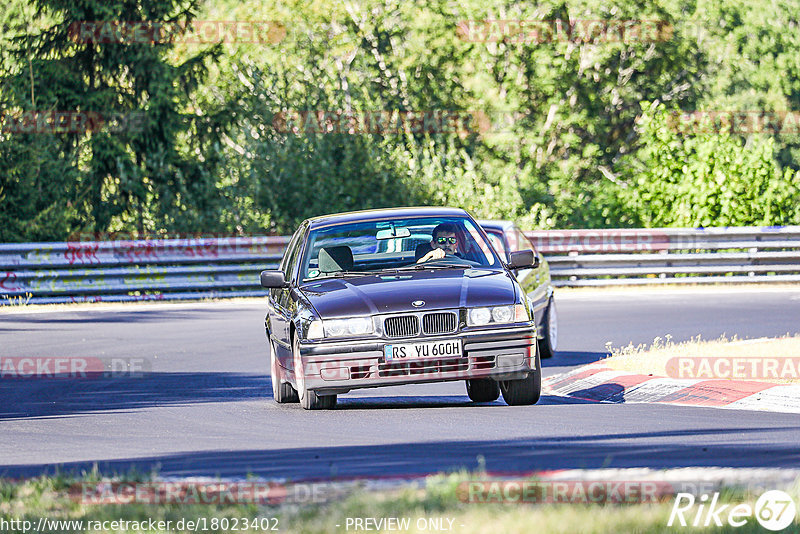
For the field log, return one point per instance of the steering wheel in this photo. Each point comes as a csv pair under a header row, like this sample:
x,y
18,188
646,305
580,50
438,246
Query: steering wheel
x,y
452,259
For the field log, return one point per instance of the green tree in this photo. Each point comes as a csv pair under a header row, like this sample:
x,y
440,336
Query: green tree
x,y
153,170
706,178
570,144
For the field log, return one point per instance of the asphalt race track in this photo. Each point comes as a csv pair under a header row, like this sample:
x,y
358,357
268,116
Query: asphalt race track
x,y
204,407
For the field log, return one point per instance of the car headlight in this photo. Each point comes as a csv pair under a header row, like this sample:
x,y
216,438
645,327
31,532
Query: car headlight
x,y
498,315
315,330
479,316
357,326
502,314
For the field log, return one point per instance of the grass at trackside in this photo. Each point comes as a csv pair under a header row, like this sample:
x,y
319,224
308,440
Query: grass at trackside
x,y
440,499
653,360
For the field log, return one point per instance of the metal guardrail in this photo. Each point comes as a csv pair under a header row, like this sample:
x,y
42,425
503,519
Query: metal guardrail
x,y
671,255
174,269
131,270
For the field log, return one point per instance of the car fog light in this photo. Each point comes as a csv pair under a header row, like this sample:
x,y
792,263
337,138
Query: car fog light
x,y
509,360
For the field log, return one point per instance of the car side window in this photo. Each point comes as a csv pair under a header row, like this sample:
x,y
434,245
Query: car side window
x,y
294,253
288,252
497,243
523,242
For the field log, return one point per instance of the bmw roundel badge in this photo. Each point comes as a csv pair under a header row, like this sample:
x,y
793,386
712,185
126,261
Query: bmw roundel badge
x,y
418,303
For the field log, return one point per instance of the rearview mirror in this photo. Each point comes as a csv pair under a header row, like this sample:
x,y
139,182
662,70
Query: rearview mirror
x,y
390,233
523,259
273,279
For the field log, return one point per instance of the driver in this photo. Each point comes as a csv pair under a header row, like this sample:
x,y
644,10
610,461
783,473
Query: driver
x,y
444,241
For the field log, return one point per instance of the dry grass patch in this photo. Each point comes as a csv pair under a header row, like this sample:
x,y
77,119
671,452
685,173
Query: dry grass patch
x,y
775,360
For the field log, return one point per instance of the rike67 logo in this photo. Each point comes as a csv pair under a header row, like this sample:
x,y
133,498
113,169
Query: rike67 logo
x,y
774,510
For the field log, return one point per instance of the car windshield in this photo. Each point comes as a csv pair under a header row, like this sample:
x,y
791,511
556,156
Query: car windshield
x,y
367,247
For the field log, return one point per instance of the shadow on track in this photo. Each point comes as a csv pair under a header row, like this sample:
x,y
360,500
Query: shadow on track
x,y
400,402
572,358
27,398
675,448
39,398
90,317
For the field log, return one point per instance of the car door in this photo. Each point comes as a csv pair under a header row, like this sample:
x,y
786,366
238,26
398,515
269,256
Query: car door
x,y
535,282
505,241
280,302
291,295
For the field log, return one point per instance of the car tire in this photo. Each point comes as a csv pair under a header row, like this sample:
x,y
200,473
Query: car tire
x,y
309,399
549,342
523,392
282,391
483,389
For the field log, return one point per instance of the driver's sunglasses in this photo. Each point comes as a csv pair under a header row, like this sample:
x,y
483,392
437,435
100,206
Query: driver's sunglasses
x,y
443,240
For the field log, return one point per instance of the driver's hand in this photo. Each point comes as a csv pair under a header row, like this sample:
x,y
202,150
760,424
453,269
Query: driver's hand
x,y
435,254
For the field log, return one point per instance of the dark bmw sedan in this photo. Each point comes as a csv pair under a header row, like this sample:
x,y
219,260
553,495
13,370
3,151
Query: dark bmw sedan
x,y
399,296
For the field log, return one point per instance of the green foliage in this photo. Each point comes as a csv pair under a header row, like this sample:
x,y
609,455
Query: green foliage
x,y
709,179
570,144
146,174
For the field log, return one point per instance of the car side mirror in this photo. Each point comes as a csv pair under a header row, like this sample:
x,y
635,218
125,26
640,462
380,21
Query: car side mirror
x,y
273,279
523,259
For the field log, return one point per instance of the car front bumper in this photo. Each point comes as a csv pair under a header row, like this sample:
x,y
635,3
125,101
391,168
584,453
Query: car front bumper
x,y
502,353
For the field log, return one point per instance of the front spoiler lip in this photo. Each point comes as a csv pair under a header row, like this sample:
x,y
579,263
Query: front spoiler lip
x,y
509,333
326,387
514,340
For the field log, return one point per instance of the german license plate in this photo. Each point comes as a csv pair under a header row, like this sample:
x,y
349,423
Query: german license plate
x,y
417,351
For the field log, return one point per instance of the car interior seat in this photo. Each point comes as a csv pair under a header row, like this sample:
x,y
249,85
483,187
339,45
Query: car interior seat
x,y
335,259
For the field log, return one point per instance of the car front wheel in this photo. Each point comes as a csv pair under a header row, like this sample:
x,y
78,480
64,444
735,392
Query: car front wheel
x,y
309,399
483,389
549,343
282,391
523,392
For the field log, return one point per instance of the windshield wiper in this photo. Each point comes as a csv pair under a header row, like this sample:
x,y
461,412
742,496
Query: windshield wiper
x,y
341,274
434,265
414,267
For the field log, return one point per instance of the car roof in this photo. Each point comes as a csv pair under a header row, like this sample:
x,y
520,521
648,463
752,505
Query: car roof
x,y
388,213
497,225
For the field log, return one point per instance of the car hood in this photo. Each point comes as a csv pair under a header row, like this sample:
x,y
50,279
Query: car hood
x,y
393,293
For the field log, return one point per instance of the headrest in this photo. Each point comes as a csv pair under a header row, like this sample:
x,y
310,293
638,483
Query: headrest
x,y
333,259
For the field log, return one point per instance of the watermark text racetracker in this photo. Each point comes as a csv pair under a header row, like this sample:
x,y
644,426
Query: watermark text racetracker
x,y
395,122
564,491
576,31
72,367
602,240
128,247
733,368
161,32
63,122
742,122
207,492
694,504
